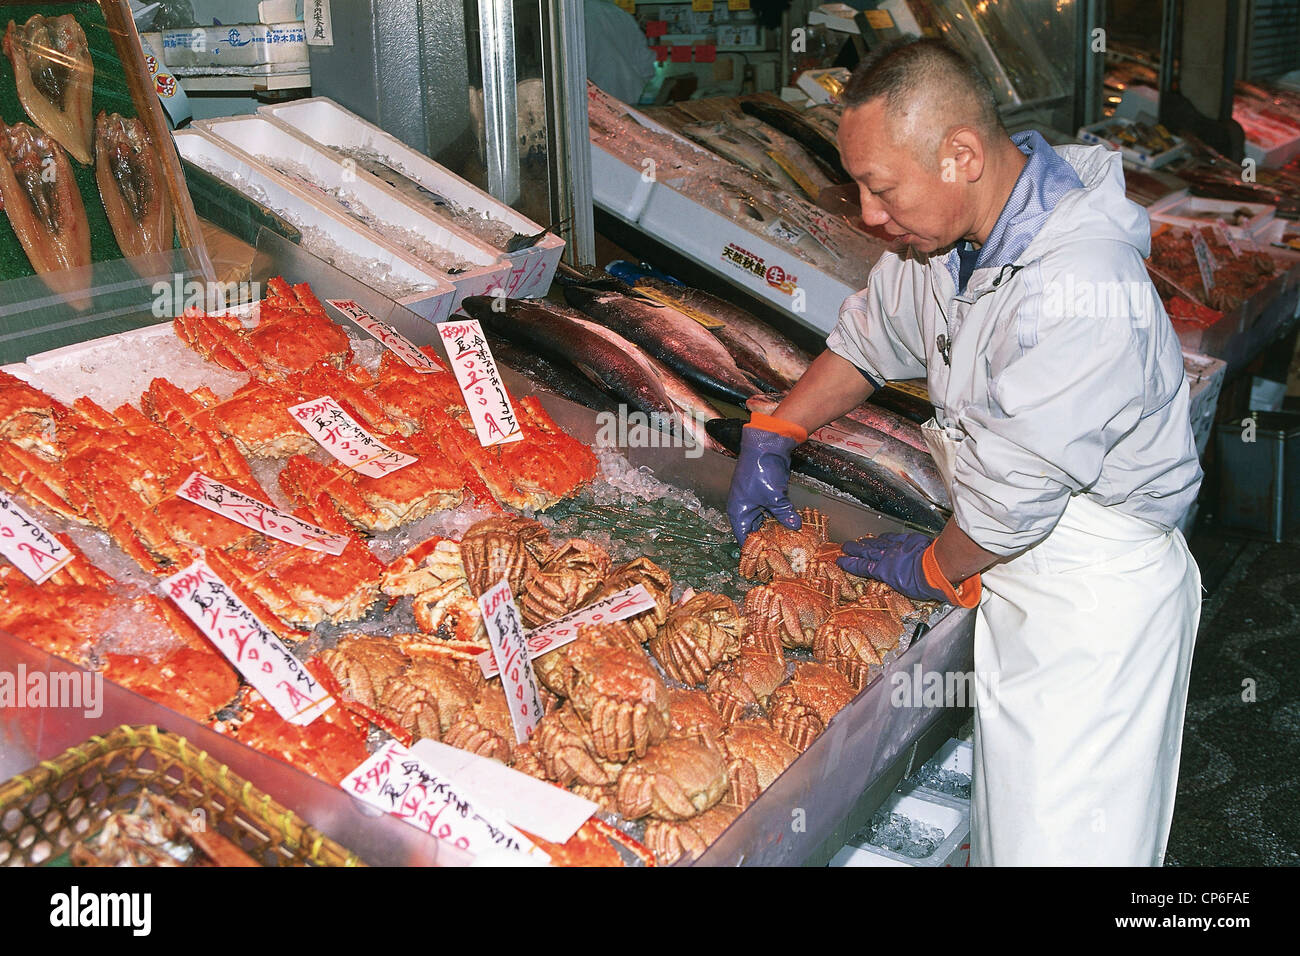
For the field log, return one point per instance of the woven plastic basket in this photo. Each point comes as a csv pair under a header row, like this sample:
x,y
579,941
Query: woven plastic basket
x,y
63,801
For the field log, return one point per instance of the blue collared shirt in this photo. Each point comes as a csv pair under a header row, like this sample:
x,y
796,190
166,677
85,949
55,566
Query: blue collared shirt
x,y
1045,179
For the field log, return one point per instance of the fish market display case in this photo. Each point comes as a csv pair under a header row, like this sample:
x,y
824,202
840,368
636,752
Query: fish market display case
x,y
863,748
782,249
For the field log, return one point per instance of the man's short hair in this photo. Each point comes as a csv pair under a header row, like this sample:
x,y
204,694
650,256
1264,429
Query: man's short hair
x,y
908,72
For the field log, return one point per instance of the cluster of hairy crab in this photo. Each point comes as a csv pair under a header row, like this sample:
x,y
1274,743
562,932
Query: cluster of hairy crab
x,y
806,601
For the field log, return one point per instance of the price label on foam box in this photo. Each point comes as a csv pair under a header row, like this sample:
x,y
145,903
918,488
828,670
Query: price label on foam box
x,y
389,337
480,383
510,650
260,656
542,640
846,441
33,550
398,782
344,437
246,510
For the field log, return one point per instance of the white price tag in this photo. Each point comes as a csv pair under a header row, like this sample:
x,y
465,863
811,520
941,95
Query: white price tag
x,y
534,805
1204,259
389,337
343,437
1226,233
509,648
778,229
398,782
480,383
260,656
33,550
542,640
241,508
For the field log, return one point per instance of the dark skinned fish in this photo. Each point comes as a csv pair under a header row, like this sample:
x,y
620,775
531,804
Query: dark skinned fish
x,y
767,355
911,465
532,325
677,340
813,138
912,407
874,486
561,378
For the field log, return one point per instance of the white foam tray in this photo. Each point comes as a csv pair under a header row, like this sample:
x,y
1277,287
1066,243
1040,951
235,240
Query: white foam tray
x,y
1204,381
943,813
255,136
324,122
207,151
697,231
1173,209
704,235
956,756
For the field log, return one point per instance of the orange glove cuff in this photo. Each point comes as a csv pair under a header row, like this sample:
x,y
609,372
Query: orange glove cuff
x,y
967,595
778,426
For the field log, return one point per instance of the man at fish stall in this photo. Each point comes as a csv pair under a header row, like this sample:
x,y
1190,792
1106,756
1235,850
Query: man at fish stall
x,y
1062,429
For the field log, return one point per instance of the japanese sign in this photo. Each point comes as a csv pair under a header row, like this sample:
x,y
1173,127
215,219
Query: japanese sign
x,y
510,650
389,337
542,640
33,550
260,656
398,782
480,383
343,437
855,445
241,508
320,27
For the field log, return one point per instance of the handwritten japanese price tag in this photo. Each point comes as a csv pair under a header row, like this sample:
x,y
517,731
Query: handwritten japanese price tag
x,y
1204,259
846,441
234,504
248,644
1226,234
542,640
398,782
389,337
480,383
33,550
343,437
510,650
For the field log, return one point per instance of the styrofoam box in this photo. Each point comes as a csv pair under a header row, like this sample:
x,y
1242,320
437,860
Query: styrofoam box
x,y
239,44
956,756
1204,380
707,236
325,122
1174,209
258,136
206,151
1094,134
625,190
943,813
1276,156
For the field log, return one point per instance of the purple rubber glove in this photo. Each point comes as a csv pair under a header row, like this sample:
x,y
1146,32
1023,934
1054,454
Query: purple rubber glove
x,y
761,483
894,558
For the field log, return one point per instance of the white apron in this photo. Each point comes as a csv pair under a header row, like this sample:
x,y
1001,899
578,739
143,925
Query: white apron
x,y
1083,652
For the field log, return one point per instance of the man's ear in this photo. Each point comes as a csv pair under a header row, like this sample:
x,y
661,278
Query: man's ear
x,y
965,147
